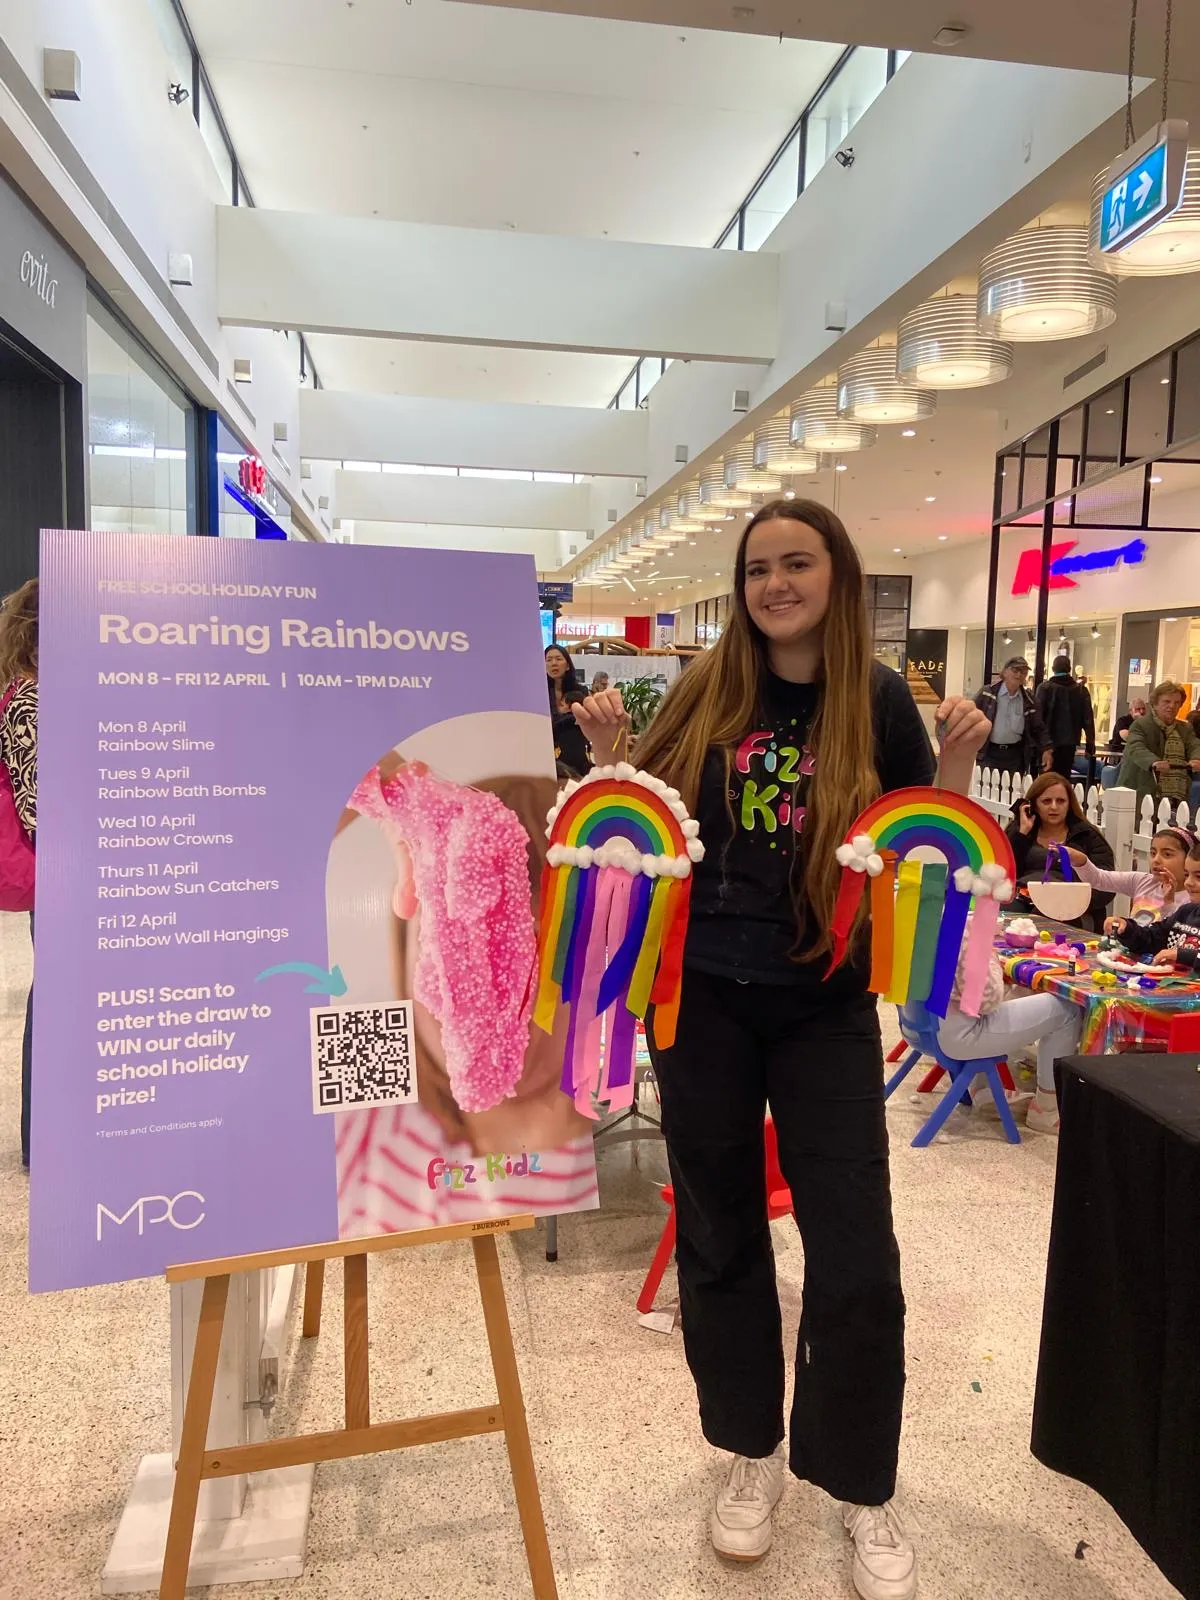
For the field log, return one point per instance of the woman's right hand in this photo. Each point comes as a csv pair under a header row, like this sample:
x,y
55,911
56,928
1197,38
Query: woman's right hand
x,y
1114,926
1025,817
604,720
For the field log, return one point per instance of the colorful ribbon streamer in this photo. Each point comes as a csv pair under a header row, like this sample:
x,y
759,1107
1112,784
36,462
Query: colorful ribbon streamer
x,y
929,921
908,903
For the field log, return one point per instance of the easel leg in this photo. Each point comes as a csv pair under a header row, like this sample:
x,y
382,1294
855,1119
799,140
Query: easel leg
x,y
516,1429
314,1287
358,1367
193,1439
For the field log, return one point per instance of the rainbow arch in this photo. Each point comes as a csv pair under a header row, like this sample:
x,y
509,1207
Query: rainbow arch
x,y
966,834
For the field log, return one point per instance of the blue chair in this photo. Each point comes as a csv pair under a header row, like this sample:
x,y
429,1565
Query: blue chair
x,y
919,1029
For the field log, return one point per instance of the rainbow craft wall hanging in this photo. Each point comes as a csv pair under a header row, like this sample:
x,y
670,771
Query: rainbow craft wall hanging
x,y
919,909
612,924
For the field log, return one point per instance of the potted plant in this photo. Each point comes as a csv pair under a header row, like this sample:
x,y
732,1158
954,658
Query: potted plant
x,y
641,698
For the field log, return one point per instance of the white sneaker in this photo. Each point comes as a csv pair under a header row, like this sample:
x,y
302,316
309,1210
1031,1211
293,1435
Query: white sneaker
x,y
740,1524
1041,1114
885,1563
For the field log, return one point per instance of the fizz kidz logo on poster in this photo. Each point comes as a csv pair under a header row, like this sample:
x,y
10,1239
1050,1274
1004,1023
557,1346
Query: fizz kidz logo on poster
x,y
146,1218
493,1169
776,780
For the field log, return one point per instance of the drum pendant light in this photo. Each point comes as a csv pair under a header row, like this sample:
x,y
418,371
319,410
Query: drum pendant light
x,y
750,479
775,452
717,493
869,390
1040,285
817,426
1171,247
940,346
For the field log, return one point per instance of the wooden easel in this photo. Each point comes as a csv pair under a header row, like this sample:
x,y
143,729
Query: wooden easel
x,y
360,1436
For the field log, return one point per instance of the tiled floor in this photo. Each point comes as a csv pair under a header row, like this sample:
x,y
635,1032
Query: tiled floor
x,y
625,1475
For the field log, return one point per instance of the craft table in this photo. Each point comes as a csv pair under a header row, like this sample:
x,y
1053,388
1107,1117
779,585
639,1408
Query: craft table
x,y
1114,1019
1117,1403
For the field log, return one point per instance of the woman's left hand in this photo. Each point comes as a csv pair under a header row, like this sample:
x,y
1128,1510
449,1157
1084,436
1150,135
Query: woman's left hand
x,y
963,728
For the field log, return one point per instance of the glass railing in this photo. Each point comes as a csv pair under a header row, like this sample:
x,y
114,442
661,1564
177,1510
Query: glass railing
x,y
857,78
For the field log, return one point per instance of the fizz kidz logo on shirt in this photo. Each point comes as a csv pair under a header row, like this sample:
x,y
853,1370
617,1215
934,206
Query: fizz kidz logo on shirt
x,y
776,778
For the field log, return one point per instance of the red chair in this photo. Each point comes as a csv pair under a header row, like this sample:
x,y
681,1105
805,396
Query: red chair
x,y
779,1204
1183,1035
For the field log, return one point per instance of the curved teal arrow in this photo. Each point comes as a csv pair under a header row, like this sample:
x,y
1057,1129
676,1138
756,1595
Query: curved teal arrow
x,y
331,983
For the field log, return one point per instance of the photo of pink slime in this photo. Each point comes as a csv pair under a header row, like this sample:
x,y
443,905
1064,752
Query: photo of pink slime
x,y
463,858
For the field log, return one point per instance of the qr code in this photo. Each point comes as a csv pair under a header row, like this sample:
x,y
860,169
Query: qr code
x,y
363,1056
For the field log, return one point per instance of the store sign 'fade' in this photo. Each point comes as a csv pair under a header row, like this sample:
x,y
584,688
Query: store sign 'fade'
x,y
1145,185
1063,565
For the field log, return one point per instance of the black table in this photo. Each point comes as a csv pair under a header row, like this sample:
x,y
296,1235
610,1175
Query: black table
x,y
1118,1386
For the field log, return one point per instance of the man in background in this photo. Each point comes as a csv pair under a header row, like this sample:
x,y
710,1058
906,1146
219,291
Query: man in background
x,y
1018,741
1065,708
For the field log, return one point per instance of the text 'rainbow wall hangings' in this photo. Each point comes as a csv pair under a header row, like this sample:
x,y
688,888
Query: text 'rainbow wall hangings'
x,y
919,909
613,920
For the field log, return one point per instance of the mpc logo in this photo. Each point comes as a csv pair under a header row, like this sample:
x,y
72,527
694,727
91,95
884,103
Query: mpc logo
x,y
184,1210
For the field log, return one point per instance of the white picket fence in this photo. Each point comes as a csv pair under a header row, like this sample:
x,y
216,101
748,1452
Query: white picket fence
x,y
1127,827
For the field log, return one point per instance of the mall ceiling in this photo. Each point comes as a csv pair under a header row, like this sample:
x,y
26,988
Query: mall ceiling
x,y
1085,34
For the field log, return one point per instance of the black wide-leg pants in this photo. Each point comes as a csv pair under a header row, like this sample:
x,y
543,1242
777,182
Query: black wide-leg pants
x,y
814,1058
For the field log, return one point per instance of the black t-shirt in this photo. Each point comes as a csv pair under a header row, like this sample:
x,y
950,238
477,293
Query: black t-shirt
x,y
743,915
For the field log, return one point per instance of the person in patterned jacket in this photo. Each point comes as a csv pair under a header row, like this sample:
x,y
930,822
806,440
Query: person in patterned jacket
x,y
18,751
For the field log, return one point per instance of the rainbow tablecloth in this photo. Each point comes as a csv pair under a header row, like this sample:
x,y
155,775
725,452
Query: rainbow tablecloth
x,y
1113,1019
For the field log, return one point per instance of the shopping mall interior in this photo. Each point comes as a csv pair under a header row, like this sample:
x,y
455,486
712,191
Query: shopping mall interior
x,y
589,282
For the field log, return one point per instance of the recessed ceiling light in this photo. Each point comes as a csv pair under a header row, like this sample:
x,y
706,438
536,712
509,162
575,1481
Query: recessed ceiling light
x,y
1110,412
895,549
841,467
1170,619
962,627
1157,479
929,499
1074,617
908,433
942,537
1164,380
789,494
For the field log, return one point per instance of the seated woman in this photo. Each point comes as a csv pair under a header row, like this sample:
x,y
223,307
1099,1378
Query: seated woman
x,y
1151,894
1161,752
1003,1026
1049,815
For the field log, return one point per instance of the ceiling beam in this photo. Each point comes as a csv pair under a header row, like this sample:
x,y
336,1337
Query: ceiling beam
x,y
335,425
469,502
404,280
1069,33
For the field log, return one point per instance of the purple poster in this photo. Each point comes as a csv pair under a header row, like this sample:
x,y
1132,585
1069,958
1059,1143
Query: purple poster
x,y
291,812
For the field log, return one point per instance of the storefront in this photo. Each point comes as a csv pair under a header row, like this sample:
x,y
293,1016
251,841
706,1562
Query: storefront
x,y
42,367
142,435
1127,615
1095,552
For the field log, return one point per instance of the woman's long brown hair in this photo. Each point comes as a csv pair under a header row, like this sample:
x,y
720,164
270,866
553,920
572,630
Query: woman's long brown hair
x,y
19,633
718,701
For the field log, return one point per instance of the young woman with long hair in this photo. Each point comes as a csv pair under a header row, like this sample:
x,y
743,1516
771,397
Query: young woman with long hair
x,y
564,690
776,739
18,752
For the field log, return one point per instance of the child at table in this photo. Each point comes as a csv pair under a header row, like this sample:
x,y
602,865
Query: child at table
x,y
1003,1026
1175,939
1152,893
